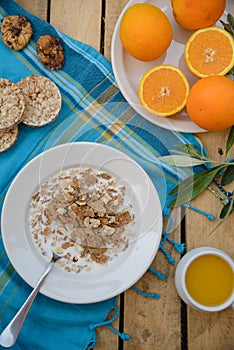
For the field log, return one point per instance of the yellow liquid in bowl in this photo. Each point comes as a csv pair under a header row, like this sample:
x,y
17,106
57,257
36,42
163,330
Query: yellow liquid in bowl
x,y
210,280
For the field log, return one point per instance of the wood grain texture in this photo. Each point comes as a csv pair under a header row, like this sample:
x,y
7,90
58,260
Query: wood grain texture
x,y
147,319
79,19
106,339
38,7
82,21
112,12
210,331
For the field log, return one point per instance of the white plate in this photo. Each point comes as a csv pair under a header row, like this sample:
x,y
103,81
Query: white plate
x,y
128,70
103,281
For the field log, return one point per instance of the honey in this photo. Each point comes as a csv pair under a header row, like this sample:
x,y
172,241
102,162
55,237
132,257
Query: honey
x,y
210,280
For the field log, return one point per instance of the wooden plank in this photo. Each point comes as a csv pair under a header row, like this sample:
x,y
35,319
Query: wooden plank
x,y
205,330
79,19
112,12
39,8
106,339
82,21
146,320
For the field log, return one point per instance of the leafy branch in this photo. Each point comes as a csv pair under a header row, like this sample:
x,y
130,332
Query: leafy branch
x,y
187,156
229,27
192,186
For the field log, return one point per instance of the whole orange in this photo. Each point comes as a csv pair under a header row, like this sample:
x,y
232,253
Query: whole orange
x,y
197,14
145,32
210,103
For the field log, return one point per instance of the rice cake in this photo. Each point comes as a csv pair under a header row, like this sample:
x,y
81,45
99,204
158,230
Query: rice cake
x,y
12,104
42,100
8,138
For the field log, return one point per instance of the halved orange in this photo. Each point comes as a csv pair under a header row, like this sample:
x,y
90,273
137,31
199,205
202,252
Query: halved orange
x,y
209,51
163,90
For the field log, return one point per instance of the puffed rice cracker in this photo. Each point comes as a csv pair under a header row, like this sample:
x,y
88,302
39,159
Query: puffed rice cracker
x,y
8,138
12,104
43,100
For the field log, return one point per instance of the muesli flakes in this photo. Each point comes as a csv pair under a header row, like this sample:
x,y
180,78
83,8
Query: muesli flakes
x,y
83,227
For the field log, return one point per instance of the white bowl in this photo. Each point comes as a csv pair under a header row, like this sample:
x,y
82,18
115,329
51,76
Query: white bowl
x,y
103,281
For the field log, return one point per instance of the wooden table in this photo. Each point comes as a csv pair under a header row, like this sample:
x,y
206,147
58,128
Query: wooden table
x,y
165,323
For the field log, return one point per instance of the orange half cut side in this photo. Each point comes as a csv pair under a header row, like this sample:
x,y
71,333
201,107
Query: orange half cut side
x,y
209,51
163,90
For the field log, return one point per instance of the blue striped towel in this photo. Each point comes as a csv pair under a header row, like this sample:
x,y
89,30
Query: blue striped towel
x,y
93,110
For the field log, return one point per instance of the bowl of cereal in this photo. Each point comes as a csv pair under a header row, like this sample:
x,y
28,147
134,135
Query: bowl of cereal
x,y
91,203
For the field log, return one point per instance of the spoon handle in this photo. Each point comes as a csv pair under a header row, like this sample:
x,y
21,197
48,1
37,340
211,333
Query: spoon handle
x,y
10,333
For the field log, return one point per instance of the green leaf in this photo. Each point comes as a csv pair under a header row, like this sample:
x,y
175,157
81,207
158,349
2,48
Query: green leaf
x,y
230,74
230,140
227,210
191,150
230,19
228,175
228,27
194,185
182,161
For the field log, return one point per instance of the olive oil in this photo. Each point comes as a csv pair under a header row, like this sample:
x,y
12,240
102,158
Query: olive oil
x,y
210,280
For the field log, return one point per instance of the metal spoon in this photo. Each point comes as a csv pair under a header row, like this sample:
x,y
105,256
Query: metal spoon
x,y
10,333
